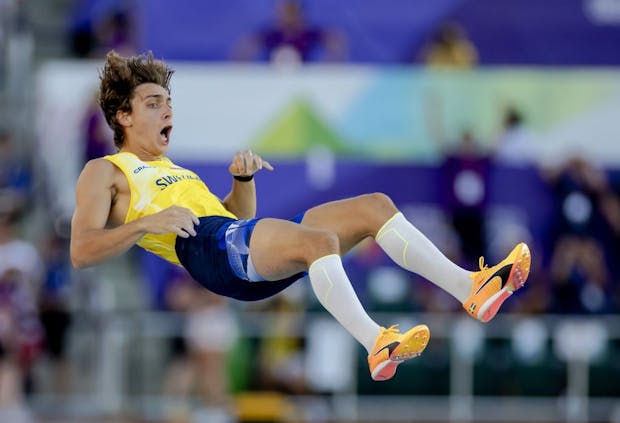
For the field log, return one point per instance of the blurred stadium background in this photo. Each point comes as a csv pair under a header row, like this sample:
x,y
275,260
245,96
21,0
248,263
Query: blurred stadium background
x,y
487,121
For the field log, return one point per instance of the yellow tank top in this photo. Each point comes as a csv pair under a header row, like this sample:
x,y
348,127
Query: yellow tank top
x,y
157,185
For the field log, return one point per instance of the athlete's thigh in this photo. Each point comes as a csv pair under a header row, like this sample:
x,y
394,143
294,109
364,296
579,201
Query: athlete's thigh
x,y
277,248
351,219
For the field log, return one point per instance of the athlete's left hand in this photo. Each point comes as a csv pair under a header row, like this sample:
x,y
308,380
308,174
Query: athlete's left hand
x,y
246,163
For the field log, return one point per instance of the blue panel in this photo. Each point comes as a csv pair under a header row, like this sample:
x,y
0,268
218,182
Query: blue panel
x,y
549,32
378,30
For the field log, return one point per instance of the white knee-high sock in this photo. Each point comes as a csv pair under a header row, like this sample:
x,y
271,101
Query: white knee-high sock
x,y
410,249
334,291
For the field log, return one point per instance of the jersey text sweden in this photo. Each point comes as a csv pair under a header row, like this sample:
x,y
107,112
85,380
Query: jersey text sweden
x,y
157,185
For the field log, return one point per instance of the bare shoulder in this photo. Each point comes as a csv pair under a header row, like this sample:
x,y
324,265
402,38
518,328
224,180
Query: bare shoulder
x,y
99,167
93,194
98,171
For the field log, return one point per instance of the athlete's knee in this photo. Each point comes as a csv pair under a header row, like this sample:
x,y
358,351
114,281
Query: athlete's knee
x,y
378,203
320,243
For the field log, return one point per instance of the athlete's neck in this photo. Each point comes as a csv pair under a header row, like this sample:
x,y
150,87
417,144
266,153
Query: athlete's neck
x,y
145,156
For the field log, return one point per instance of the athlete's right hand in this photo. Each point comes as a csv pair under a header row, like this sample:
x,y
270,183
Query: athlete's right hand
x,y
176,219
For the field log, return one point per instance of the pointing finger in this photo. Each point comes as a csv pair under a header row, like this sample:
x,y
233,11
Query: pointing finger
x,y
266,165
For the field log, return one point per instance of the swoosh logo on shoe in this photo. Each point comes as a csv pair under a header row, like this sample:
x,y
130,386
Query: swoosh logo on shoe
x,y
390,347
503,273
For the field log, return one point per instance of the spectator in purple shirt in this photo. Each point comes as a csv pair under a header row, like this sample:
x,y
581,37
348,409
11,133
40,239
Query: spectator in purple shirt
x,y
465,174
291,39
464,182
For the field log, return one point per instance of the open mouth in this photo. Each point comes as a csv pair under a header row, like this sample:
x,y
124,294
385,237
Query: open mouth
x,y
165,133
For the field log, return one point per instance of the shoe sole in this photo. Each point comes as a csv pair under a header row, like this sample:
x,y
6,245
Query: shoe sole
x,y
518,275
409,348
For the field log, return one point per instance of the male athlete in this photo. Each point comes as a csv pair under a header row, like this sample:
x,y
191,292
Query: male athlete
x,y
138,196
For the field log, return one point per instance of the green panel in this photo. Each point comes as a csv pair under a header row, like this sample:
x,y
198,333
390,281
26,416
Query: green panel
x,y
297,129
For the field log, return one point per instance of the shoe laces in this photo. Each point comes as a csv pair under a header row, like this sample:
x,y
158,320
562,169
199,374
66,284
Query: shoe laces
x,y
391,329
482,265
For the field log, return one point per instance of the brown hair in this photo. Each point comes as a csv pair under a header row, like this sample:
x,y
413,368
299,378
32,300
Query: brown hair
x,y
119,77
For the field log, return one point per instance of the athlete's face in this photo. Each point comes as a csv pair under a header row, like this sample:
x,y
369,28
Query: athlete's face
x,y
148,126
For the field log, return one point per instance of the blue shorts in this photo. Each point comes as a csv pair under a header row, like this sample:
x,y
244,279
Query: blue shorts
x,y
217,258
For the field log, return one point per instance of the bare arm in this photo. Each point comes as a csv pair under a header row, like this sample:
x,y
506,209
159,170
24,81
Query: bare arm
x,y
91,241
242,198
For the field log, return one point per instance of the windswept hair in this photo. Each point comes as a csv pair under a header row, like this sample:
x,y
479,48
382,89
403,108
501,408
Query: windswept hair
x,y
119,78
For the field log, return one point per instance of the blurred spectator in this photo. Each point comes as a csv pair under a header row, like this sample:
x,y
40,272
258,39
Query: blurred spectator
x,y
15,177
114,32
580,278
20,331
516,145
291,39
97,26
465,175
281,351
464,188
578,187
81,32
585,222
449,48
210,332
54,310
19,254
98,137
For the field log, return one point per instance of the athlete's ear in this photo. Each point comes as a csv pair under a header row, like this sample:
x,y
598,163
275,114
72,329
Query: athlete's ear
x,y
124,118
